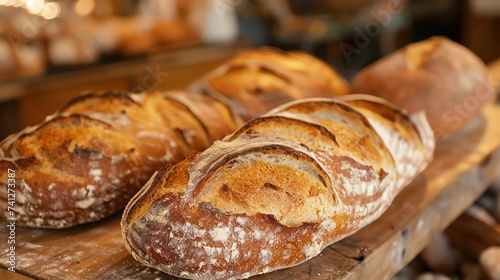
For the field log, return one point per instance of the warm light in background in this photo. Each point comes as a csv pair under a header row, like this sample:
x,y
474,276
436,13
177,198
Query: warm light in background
x,y
35,6
48,10
51,10
14,3
17,3
84,7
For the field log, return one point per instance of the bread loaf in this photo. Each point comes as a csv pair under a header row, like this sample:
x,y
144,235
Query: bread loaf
x,y
278,190
439,76
257,81
88,159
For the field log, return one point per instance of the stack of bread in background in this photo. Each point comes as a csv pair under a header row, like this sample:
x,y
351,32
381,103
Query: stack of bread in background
x,y
20,54
29,44
84,40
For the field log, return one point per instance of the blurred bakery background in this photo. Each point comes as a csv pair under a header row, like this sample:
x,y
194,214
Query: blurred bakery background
x,y
52,50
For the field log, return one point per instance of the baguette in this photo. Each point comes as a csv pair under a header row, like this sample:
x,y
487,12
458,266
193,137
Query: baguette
x,y
277,191
87,160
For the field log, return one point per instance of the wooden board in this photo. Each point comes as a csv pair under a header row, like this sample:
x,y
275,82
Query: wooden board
x,y
460,172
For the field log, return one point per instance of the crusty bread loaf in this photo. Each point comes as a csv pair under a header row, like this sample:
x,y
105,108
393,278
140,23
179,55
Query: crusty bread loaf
x,y
278,190
87,160
268,78
437,75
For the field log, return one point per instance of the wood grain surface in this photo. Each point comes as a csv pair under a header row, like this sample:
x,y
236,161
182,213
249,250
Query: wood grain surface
x,y
461,171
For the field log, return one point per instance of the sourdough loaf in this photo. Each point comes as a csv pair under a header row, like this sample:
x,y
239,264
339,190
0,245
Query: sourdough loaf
x,y
278,190
88,159
438,76
255,82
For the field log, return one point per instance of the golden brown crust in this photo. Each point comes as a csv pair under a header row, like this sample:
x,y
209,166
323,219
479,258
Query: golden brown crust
x,y
393,125
217,118
86,161
266,78
437,76
312,76
277,191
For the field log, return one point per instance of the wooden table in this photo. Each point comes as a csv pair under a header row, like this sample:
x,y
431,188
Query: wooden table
x,y
462,169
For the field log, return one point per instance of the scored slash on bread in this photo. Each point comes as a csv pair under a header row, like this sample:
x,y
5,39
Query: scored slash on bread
x,y
278,190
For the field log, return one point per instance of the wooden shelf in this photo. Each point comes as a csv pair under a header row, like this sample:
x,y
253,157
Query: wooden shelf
x,y
462,169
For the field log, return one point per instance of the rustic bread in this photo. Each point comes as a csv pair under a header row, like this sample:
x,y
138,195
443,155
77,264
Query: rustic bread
x,y
437,75
267,78
87,160
278,190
